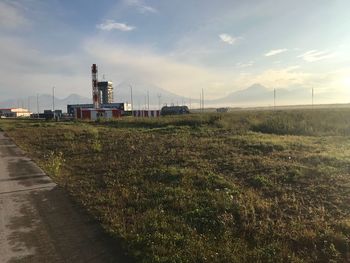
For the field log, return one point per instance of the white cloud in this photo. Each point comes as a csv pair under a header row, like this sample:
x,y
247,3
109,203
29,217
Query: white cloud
x,y
275,52
145,66
315,55
109,25
141,6
279,78
245,65
10,16
24,70
228,39
142,65
71,73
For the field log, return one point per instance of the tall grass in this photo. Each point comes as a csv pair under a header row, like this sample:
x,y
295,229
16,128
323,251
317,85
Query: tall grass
x,y
239,187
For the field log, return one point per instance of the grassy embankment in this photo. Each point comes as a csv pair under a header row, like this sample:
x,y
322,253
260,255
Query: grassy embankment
x,y
237,187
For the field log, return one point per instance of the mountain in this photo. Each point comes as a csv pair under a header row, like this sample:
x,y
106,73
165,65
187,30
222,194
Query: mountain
x,y
258,95
255,95
251,93
122,93
44,102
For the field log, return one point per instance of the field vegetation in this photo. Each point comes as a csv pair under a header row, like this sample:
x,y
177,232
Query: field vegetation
x,y
257,186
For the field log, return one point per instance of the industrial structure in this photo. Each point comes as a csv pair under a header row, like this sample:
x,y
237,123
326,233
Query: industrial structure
x,y
14,112
102,91
106,91
122,106
94,114
146,113
102,101
95,92
48,115
103,105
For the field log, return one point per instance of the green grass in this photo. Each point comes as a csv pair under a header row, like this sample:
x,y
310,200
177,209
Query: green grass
x,y
237,187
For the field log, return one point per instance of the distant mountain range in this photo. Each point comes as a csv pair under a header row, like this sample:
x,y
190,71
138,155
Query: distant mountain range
x,y
258,95
255,95
44,102
156,95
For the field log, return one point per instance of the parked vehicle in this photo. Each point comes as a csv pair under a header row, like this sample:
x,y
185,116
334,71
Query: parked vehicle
x,y
174,110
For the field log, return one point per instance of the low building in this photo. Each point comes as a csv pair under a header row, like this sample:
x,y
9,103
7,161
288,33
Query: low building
x,y
14,112
146,113
95,114
122,106
48,115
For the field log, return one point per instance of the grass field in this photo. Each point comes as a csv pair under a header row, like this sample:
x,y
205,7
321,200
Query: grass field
x,y
239,187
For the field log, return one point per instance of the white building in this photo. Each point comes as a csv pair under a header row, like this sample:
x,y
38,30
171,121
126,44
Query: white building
x,y
15,112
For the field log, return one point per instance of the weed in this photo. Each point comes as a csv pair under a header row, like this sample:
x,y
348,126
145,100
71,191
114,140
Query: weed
x,y
54,163
239,187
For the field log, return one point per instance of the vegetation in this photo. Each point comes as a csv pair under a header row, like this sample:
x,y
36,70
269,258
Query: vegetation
x,y
236,187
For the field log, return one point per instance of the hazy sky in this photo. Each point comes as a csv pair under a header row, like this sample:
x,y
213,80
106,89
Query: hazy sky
x,y
181,46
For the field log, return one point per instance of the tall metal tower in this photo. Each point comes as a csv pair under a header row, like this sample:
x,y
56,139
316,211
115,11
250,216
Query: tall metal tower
x,y
95,91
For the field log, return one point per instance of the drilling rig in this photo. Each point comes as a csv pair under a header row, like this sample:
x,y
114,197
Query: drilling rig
x,y
95,92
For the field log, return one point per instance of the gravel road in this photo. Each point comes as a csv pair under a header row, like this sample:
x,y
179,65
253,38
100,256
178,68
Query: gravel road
x,y
39,222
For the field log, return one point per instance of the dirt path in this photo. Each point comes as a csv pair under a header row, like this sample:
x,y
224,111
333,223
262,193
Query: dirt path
x,y
39,223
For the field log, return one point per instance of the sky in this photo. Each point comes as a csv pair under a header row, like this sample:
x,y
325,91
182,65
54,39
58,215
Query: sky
x,y
181,46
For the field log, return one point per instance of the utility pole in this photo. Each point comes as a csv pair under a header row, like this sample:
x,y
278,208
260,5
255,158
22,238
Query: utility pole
x,y
147,100
274,99
190,103
202,100
37,104
159,104
53,102
132,102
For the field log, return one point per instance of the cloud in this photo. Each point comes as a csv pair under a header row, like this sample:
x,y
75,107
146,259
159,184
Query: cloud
x,y
24,70
245,65
275,52
10,16
134,64
109,25
138,64
228,39
315,55
279,78
141,6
